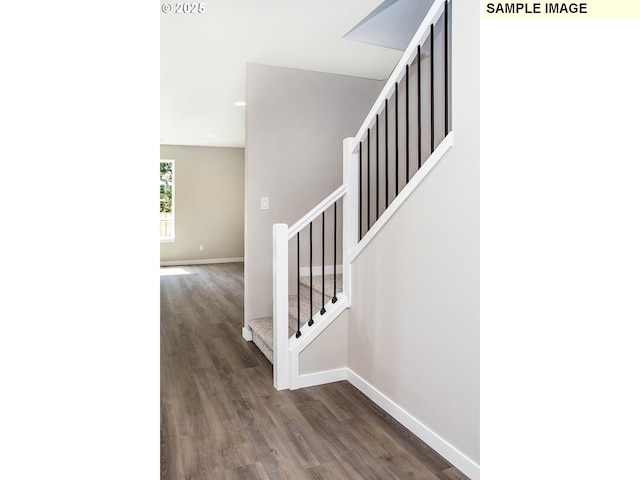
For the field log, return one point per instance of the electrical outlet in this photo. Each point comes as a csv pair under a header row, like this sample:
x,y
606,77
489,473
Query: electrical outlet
x,y
264,203
202,248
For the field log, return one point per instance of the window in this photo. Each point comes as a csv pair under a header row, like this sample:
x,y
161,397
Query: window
x,y
167,191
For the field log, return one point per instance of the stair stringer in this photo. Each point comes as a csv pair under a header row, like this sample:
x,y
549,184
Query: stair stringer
x,y
309,334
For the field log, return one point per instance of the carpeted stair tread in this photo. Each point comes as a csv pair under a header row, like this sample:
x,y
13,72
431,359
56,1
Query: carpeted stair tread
x,y
262,331
305,308
262,328
264,348
328,283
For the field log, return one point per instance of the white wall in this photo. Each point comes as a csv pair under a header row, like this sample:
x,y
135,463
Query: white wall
x,y
329,350
414,321
209,203
296,121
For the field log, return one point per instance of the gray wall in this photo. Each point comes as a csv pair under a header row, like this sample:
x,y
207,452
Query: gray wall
x,y
329,350
209,203
414,321
296,121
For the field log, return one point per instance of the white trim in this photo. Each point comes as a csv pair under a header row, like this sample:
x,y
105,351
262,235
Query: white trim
x,y
435,441
281,359
247,334
317,270
205,261
309,334
320,322
412,50
350,176
428,436
420,175
321,378
317,210
171,238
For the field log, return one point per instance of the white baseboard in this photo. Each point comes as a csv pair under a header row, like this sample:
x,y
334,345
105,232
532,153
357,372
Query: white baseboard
x,y
320,378
444,448
309,334
247,334
205,261
435,441
317,270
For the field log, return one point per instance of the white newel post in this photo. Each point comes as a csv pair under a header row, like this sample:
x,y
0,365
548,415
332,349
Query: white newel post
x,y
280,306
350,212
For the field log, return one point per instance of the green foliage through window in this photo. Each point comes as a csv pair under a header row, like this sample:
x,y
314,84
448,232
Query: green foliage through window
x,y
166,187
167,219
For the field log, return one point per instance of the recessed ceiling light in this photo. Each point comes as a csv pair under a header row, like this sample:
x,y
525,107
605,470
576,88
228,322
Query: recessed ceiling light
x,y
210,135
240,103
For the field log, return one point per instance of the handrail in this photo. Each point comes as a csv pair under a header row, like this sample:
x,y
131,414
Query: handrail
x,y
350,193
317,210
421,35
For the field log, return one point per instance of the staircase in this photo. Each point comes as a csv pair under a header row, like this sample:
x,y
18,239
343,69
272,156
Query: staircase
x,y
407,131
311,287
312,338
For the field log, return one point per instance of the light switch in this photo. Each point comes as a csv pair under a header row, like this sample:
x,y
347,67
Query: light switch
x,y
264,203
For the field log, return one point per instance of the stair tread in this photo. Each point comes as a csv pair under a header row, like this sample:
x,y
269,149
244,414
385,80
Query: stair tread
x,y
262,328
328,283
263,347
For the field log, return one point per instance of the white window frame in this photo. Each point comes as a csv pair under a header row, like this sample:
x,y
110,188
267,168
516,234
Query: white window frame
x,y
172,237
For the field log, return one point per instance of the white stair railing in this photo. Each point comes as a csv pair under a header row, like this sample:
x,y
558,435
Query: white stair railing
x,y
282,234
423,32
354,224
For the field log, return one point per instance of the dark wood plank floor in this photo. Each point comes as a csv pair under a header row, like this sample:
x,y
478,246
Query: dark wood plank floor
x,y
221,418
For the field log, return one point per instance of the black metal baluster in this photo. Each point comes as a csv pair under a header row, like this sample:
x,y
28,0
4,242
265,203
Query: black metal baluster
x,y
446,68
433,143
335,249
419,111
377,171
298,241
407,118
386,154
368,179
396,125
360,195
310,273
322,310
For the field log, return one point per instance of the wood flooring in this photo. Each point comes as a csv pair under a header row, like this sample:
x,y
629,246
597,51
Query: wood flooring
x,y
222,419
